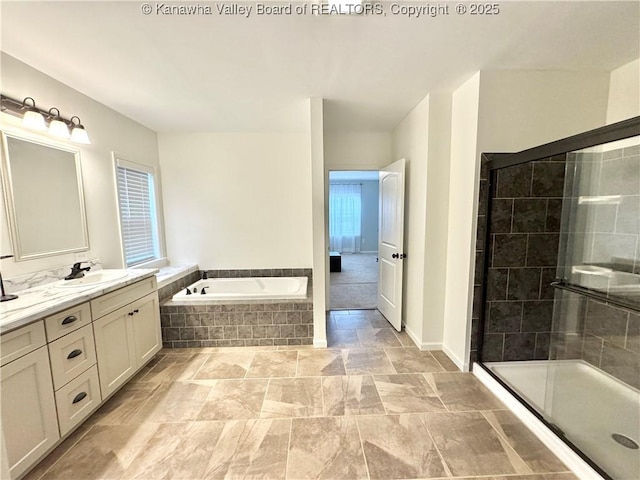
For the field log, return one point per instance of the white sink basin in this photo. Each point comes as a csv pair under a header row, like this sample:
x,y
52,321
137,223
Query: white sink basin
x,y
93,278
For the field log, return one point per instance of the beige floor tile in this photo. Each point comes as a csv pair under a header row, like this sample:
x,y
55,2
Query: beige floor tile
x,y
377,320
123,406
548,476
234,400
407,393
368,360
231,364
470,446
249,449
293,397
351,395
173,402
320,362
377,337
412,360
538,457
273,364
445,361
105,452
175,451
461,391
325,448
58,452
342,339
404,338
351,322
399,446
175,367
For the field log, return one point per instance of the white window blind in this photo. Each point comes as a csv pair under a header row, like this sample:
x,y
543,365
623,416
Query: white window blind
x,y
138,219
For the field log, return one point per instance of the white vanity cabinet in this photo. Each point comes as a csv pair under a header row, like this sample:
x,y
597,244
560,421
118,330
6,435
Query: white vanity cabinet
x,y
127,334
59,369
28,408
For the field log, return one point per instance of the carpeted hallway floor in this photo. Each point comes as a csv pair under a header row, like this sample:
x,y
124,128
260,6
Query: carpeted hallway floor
x,y
357,285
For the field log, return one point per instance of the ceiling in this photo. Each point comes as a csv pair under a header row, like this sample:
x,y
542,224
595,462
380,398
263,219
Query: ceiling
x,y
230,73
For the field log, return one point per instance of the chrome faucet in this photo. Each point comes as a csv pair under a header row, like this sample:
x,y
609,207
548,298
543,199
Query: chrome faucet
x,y
76,271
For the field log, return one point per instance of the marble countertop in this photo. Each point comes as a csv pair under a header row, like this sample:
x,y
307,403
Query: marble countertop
x,y
35,303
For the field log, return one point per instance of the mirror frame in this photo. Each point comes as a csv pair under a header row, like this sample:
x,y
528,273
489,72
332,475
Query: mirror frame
x,y
8,191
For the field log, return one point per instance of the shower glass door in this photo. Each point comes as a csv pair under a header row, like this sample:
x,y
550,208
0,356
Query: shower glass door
x,y
591,396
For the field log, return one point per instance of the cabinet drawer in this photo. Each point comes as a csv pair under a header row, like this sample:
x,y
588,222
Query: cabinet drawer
x,y
105,304
66,322
15,344
72,355
76,400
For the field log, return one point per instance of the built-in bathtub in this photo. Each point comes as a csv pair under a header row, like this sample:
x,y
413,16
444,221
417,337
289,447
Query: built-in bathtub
x,y
253,288
239,311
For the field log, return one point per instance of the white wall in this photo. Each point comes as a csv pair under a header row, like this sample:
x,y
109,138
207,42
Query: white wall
x,y
423,138
410,141
524,109
504,111
237,200
437,220
108,131
319,199
462,201
357,150
624,92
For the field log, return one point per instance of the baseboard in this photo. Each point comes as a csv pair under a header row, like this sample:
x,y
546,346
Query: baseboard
x,y
412,336
459,363
320,343
570,458
422,345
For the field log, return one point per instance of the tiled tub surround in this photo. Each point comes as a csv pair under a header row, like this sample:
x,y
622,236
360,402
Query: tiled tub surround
x,y
368,408
240,323
165,292
525,225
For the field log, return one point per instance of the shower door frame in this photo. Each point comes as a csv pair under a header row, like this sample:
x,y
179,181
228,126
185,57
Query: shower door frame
x,y
496,161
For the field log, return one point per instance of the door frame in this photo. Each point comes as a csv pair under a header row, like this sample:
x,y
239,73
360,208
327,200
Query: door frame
x,y
342,168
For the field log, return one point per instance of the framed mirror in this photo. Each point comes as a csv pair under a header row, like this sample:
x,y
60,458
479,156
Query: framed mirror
x,y
42,185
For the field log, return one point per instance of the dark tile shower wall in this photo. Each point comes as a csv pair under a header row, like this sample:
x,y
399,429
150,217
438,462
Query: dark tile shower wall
x,y
604,335
525,227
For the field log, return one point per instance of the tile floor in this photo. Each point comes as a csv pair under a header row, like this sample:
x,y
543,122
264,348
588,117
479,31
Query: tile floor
x,y
371,406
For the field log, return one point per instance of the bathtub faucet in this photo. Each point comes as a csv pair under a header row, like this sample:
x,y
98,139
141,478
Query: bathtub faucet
x,y
203,291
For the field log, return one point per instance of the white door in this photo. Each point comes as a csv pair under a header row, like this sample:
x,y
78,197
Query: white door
x,y
390,241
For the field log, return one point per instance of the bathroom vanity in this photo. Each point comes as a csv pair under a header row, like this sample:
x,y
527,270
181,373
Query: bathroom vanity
x,y
67,347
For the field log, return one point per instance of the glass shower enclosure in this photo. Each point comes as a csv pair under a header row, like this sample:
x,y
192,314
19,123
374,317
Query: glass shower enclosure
x,y
560,324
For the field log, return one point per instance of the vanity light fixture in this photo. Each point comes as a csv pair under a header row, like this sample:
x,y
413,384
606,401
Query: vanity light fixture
x,y
51,121
32,117
78,133
57,125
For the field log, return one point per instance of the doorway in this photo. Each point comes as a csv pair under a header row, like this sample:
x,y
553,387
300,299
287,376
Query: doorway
x,y
353,239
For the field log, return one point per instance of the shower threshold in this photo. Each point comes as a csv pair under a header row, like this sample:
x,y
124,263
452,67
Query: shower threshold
x,y
590,408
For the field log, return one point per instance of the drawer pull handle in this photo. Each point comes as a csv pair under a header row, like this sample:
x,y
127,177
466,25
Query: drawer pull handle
x,y
79,397
74,354
69,319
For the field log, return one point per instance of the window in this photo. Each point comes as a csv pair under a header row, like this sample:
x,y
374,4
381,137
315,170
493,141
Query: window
x,y
345,217
138,216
